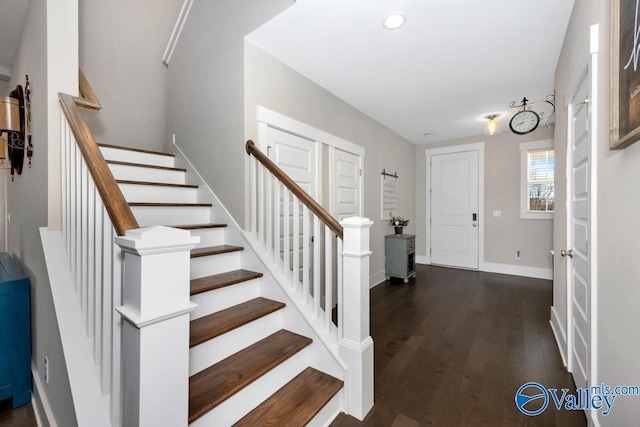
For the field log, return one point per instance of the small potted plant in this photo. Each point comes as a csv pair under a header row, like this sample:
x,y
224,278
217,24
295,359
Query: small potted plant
x,y
398,223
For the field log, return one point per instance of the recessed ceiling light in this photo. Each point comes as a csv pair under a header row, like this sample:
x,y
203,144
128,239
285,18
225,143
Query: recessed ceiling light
x,y
394,21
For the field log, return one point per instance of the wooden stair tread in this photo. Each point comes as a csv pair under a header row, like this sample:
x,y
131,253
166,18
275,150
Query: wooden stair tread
x,y
142,165
296,403
157,184
217,281
216,324
214,250
197,226
166,205
209,388
137,150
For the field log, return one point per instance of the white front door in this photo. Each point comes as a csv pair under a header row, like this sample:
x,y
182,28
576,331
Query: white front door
x,y
578,233
346,177
455,209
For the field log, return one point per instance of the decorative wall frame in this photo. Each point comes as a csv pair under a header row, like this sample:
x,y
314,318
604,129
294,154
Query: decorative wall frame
x,y
625,73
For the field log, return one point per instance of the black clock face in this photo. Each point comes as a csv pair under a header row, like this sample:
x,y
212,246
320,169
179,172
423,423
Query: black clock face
x,y
524,122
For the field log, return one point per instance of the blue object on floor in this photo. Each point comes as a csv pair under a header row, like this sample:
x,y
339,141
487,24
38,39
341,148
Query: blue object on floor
x,y
15,333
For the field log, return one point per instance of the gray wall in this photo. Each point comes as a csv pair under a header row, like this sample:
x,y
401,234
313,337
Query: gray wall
x,y
206,89
504,235
274,85
618,246
4,88
27,204
121,47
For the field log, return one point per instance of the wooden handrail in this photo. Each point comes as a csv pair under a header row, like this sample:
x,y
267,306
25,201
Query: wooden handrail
x,y
304,197
117,207
88,99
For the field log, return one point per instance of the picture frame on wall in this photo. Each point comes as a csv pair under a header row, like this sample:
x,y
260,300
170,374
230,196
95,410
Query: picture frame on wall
x,y
625,73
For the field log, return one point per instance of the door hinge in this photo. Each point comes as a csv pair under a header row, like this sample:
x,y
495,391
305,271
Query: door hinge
x,y
360,172
429,250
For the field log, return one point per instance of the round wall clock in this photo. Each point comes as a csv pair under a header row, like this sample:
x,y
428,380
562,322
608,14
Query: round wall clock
x,y
524,122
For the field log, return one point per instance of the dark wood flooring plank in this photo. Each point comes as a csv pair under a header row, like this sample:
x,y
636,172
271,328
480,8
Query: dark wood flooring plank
x,y
452,348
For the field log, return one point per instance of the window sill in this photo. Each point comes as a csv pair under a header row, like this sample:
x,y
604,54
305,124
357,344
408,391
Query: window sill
x,y
536,215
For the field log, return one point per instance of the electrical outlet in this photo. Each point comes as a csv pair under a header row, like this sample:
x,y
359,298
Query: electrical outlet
x,y
518,255
46,370
497,214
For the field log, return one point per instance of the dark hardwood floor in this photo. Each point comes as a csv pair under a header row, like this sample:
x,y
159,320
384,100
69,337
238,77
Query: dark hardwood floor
x,y
20,417
453,346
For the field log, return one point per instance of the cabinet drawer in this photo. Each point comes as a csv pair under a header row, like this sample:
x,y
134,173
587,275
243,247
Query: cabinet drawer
x,y
411,245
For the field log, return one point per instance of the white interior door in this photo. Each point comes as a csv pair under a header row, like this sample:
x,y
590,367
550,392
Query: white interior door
x,y
455,209
299,158
578,233
346,190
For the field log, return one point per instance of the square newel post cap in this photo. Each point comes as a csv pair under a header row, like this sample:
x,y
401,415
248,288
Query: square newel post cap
x,y
157,240
356,222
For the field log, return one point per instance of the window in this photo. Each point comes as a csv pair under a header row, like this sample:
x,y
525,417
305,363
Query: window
x,y
537,180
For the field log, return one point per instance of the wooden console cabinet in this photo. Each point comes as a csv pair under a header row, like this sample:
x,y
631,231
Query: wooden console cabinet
x,y
15,333
400,256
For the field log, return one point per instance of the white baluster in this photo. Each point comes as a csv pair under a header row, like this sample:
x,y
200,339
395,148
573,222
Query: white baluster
x,y
317,265
295,250
98,277
261,233
107,301
277,217
269,217
116,325
306,263
328,277
254,196
63,168
84,243
287,232
339,287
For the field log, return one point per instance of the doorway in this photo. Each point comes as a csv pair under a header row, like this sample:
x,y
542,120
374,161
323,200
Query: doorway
x,y
455,206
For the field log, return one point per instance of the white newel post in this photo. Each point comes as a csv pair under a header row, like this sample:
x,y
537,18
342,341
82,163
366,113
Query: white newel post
x,y
155,334
356,345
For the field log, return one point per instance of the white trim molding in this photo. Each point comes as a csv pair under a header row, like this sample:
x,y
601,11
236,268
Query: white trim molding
x,y
41,408
526,148
376,278
287,124
560,334
519,270
479,147
177,30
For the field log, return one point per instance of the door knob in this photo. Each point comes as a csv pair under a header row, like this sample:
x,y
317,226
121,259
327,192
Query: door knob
x,y
568,253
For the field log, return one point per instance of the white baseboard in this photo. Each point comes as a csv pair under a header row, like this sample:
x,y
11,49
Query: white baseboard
x,y
422,259
40,403
376,278
519,270
559,333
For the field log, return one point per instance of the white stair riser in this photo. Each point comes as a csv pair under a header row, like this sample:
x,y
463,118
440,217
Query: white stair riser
x,y
241,403
170,215
158,194
211,352
329,412
136,157
137,173
209,236
215,264
219,299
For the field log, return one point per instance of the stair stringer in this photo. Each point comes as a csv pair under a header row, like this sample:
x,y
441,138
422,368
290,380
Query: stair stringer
x,y
296,317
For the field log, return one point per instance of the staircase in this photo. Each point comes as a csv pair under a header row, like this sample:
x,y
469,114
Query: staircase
x,y
252,360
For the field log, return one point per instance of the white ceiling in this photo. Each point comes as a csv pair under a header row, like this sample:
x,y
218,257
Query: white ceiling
x,y
451,64
12,13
